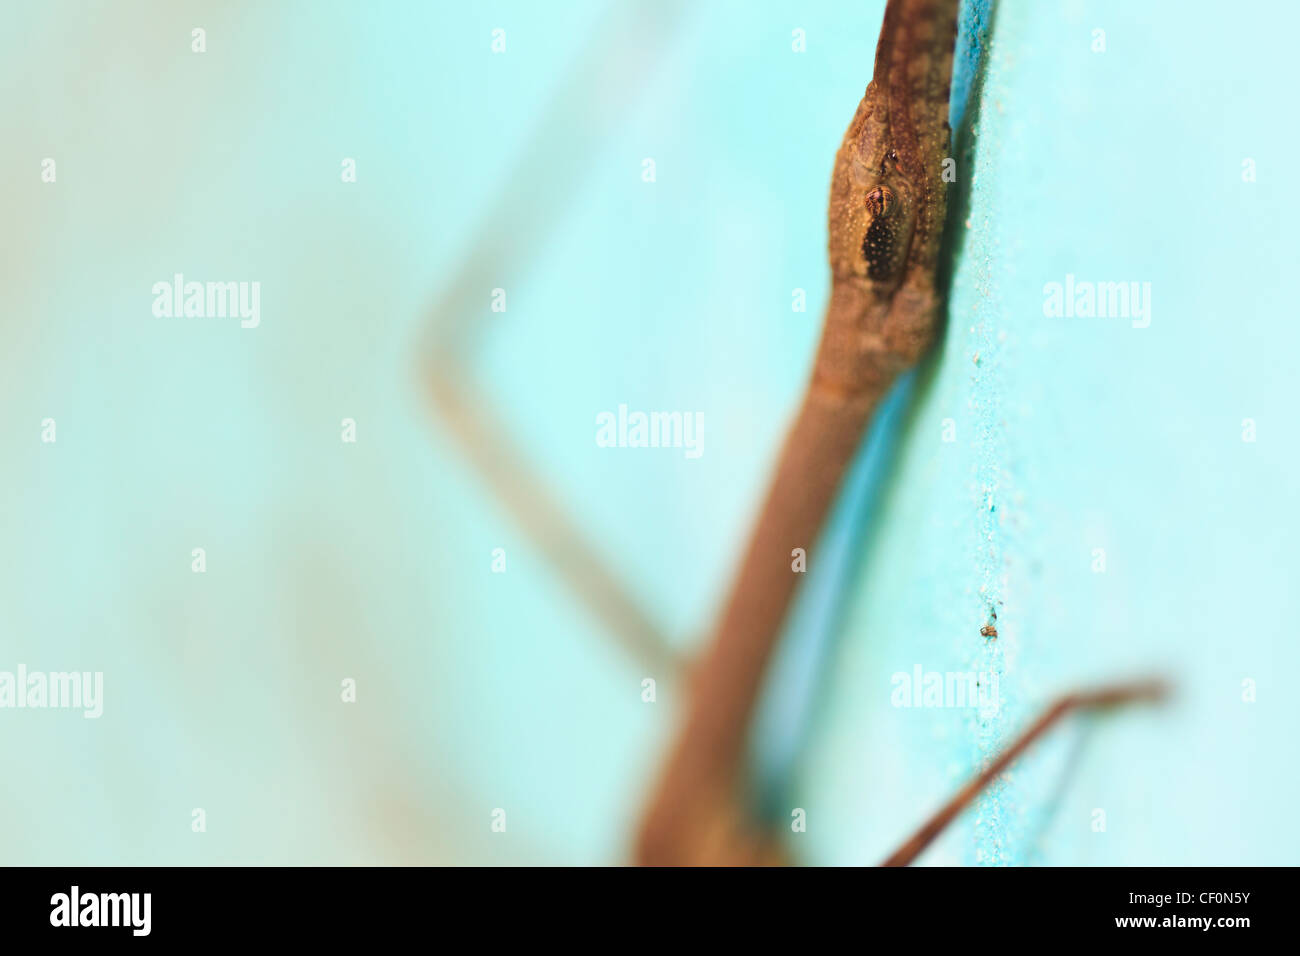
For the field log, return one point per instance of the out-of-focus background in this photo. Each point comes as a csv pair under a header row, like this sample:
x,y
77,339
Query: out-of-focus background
x,y
1124,497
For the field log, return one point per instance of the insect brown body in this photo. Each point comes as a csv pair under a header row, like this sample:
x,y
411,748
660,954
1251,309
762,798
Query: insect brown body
x,y
886,217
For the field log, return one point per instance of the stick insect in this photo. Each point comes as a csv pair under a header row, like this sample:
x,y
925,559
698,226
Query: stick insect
x,y
887,214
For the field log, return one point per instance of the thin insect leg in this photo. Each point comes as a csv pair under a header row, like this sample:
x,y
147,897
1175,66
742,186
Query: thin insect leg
x,y
1090,700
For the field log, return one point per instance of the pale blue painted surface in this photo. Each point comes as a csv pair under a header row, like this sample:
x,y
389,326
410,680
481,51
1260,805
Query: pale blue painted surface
x,y
481,691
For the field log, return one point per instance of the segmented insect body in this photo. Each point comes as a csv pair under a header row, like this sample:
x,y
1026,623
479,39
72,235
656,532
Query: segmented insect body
x,y
886,217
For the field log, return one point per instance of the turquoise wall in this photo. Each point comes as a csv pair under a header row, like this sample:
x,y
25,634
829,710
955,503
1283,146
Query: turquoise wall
x,y
373,561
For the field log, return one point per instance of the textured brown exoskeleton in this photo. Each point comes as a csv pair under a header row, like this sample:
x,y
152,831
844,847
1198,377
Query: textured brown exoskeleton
x,y
887,209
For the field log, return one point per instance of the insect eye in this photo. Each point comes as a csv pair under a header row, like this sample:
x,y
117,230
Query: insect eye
x,y
881,201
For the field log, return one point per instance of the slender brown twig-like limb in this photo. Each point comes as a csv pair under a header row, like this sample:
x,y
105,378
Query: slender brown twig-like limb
x,y
1087,700
600,86
887,208
539,513
596,94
